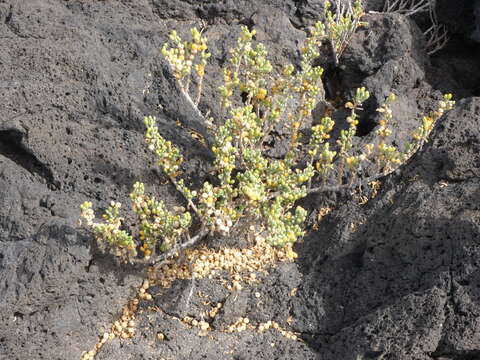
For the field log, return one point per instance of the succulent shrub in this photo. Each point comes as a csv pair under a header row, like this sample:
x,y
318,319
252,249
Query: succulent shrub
x,y
252,189
341,24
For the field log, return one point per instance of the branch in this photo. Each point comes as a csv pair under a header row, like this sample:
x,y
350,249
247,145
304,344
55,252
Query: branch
x,y
407,8
436,36
164,257
199,122
189,201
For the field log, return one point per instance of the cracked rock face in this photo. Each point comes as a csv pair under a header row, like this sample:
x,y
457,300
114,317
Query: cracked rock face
x,y
395,278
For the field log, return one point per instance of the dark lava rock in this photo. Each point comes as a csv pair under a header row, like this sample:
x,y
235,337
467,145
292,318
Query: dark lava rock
x,y
386,57
393,276
396,278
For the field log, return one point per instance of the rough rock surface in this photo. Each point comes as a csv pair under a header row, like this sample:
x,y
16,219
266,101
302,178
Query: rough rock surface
x,y
396,278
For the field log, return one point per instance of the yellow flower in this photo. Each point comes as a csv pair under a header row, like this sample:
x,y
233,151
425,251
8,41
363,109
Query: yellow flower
x,y
427,123
261,94
350,160
200,69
